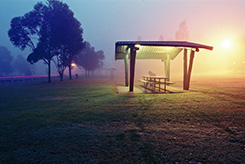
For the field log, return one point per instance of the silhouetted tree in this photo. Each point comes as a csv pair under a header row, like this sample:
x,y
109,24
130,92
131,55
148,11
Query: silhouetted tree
x,y
161,38
5,61
139,38
22,66
67,33
43,52
61,63
49,30
90,59
182,33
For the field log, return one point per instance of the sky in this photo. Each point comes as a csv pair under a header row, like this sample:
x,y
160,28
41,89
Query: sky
x,y
106,21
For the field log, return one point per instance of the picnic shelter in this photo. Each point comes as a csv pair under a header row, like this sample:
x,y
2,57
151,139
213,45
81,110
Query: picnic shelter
x,y
161,50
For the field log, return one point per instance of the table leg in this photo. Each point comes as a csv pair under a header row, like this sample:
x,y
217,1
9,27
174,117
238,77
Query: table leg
x,y
165,83
159,82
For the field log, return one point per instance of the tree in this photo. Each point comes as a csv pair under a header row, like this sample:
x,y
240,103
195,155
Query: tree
x,y
182,33
22,66
5,61
32,30
70,43
161,38
61,63
49,30
90,59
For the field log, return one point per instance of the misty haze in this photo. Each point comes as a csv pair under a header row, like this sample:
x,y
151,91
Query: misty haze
x,y
122,81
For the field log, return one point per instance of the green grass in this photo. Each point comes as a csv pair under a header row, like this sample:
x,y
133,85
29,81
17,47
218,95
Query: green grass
x,y
86,121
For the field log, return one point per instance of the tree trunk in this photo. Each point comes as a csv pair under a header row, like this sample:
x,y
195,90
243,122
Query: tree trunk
x,y
61,76
70,76
49,71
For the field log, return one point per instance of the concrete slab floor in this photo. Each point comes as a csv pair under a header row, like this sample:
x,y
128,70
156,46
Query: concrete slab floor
x,y
138,89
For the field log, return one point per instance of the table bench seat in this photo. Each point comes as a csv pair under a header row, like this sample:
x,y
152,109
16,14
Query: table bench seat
x,y
167,83
145,81
154,83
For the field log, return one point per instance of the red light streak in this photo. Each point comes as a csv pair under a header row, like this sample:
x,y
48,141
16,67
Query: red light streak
x,y
15,77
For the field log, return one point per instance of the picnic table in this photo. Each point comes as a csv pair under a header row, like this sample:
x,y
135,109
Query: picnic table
x,y
154,83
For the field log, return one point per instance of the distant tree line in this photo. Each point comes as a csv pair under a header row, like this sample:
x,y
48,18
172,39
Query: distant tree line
x,y
89,59
10,65
5,61
53,34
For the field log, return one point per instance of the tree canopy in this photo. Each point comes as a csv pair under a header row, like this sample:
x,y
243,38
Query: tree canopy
x,y
182,33
90,59
21,66
49,30
5,61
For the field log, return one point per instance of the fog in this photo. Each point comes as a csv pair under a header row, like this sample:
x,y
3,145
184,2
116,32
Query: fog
x,y
106,21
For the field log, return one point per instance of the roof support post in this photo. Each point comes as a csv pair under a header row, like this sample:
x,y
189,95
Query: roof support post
x,y
167,67
185,69
126,69
133,50
190,69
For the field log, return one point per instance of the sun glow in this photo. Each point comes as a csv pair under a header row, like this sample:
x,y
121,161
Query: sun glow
x,y
226,44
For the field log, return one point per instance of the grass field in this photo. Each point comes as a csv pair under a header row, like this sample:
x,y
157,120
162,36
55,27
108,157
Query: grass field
x,y
87,121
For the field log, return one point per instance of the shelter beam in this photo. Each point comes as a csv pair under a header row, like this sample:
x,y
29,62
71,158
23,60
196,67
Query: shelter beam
x,y
190,69
126,69
185,69
133,50
167,67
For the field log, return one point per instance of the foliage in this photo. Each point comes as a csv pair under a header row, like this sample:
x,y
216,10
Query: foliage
x,y
22,67
49,30
90,59
182,33
66,31
61,64
5,61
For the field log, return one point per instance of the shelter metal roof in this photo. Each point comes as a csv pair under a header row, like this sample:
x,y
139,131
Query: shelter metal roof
x,y
155,49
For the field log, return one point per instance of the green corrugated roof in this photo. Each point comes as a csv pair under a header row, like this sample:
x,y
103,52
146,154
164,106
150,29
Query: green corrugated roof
x,y
156,49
